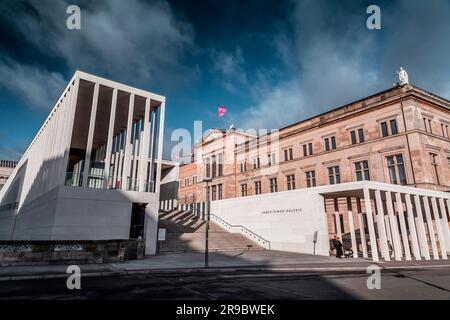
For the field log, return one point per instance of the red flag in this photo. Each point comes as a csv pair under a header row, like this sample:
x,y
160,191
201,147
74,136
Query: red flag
x,y
221,111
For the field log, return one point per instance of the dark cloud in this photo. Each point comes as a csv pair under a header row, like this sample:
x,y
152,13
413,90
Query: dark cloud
x,y
131,41
334,59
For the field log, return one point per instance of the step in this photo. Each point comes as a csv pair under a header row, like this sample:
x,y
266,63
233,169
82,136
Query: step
x,y
185,231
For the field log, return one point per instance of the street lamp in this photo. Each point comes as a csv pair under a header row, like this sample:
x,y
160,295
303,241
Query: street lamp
x,y
207,209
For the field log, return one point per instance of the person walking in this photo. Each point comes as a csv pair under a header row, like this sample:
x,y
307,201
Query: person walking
x,y
338,246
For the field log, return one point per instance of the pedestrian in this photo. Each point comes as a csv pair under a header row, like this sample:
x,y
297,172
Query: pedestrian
x,y
338,246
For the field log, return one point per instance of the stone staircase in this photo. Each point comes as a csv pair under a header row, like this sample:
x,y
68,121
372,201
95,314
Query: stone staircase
x,y
185,232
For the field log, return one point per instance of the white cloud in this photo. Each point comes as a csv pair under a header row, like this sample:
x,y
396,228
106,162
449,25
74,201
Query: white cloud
x,y
38,87
134,40
230,68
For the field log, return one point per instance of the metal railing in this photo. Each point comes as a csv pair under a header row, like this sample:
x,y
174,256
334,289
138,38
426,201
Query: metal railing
x,y
133,185
96,181
239,228
73,179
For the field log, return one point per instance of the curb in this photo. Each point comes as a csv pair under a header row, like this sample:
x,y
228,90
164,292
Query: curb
x,y
223,270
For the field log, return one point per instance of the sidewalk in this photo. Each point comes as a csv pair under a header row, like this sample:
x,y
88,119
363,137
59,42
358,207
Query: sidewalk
x,y
233,261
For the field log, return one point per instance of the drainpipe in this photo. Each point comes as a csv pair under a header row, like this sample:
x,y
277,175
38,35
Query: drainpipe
x,y
409,148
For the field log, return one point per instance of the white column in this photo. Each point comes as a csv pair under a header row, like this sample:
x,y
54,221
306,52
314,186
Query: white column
x,y
394,227
382,227
372,235
67,133
362,234
128,136
447,220
135,150
145,147
117,159
352,228
338,224
421,230
412,228
426,206
87,160
388,232
401,217
439,228
109,142
444,221
362,231
160,146
153,151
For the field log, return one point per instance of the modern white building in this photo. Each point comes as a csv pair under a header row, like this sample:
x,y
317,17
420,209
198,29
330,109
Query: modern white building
x,y
93,170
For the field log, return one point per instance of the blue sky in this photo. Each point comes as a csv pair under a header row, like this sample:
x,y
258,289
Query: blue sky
x,y
271,63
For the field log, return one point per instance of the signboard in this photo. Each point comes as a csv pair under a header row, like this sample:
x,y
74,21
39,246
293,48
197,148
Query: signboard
x,y
281,211
161,234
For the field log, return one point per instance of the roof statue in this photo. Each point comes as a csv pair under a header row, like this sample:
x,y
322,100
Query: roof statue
x,y
403,76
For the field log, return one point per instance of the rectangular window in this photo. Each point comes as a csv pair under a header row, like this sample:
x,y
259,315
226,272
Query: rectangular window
x,y
194,180
290,182
353,136
390,128
273,185
307,149
444,128
396,169
243,166
427,125
214,167
434,164
362,170
258,187
220,162
310,178
333,142
384,129
208,167
361,135
186,182
244,189
220,192
256,163
357,136
394,129
214,193
330,143
334,176
288,154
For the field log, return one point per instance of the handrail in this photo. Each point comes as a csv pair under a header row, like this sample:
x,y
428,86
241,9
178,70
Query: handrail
x,y
230,226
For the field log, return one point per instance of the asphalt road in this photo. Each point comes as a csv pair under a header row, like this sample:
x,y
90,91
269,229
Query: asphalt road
x,y
421,284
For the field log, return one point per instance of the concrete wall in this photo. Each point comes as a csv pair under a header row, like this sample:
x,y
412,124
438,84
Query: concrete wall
x,y
286,219
169,183
71,213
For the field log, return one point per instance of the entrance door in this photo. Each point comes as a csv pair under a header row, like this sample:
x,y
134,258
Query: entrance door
x,y
137,221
